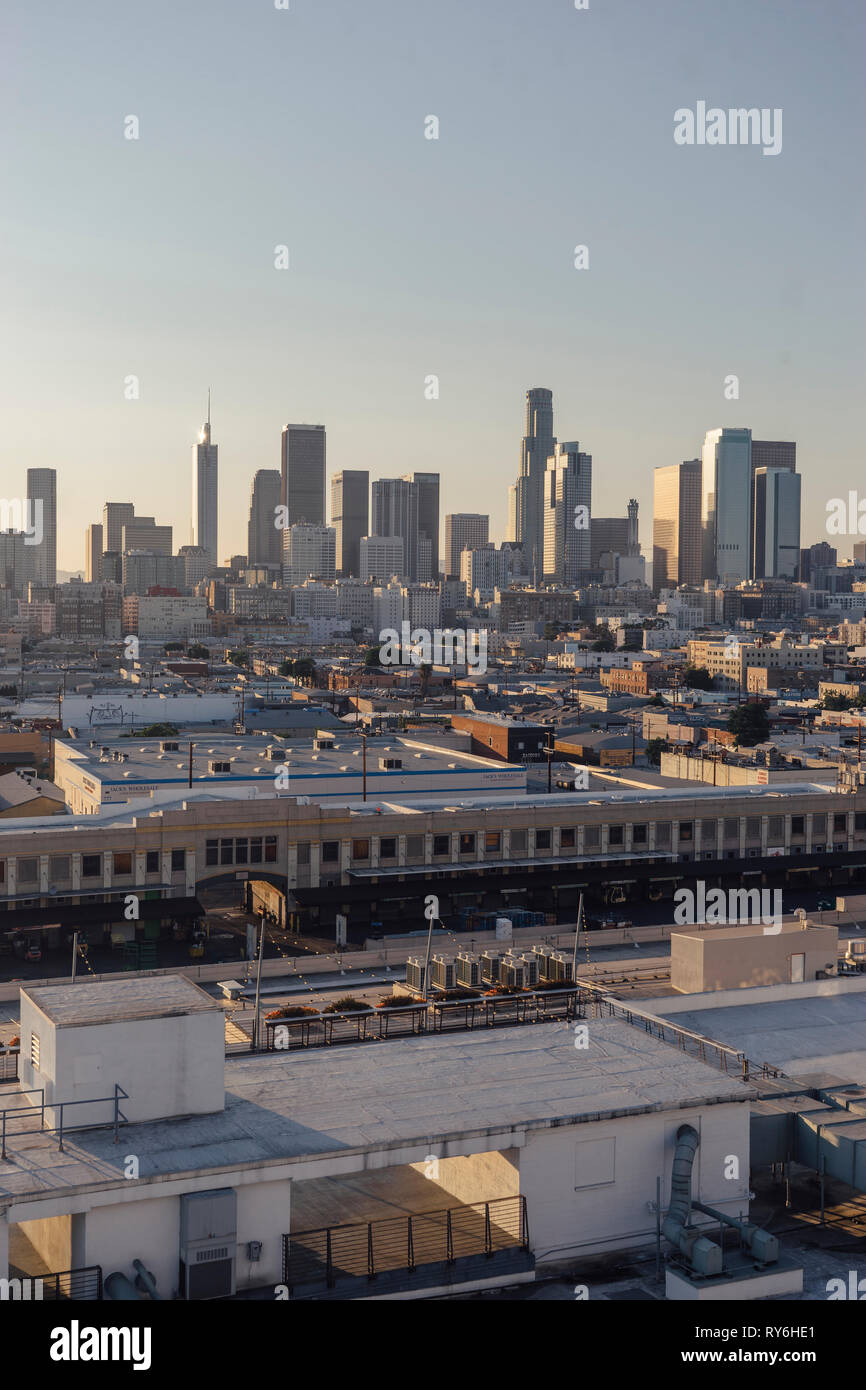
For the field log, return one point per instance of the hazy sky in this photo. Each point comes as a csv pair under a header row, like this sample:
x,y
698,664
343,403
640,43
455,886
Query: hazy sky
x,y
410,257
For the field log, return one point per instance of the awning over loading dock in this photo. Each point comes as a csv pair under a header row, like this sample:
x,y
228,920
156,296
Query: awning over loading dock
x,y
90,914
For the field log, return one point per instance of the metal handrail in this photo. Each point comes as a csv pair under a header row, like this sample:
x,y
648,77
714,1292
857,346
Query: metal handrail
x,y
117,1119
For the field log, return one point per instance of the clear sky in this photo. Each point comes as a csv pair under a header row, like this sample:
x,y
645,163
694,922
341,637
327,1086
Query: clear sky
x,y
410,257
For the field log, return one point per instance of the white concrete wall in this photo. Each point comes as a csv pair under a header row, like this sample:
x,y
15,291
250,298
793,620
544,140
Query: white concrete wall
x,y
149,1231
168,1066
476,1178
620,1166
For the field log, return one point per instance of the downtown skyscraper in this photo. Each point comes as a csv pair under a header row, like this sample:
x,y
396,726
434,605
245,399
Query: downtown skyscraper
x,y
350,517
302,474
263,536
205,492
567,501
41,558
677,557
538,445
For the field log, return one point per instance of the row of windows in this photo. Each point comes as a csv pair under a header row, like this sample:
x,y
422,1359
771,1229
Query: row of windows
x,y
257,849
467,841
122,863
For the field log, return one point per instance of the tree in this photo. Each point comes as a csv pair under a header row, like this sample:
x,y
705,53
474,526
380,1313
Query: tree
x,y
425,671
371,656
836,702
198,652
697,678
750,725
655,700
654,749
604,644
304,670
239,658
285,668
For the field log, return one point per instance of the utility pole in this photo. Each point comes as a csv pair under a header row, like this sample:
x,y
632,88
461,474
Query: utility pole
x,y
576,939
259,984
74,954
363,767
191,746
550,751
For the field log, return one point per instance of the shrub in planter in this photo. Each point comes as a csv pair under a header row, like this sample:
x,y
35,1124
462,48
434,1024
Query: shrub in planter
x,y
395,1001
440,996
348,1004
291,1011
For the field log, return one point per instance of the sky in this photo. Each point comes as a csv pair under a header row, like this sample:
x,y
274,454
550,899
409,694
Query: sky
x,y
410,257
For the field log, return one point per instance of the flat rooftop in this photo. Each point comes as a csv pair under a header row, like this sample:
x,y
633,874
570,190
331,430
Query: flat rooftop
x,y
120,1001
747,932
824,1032
371,1097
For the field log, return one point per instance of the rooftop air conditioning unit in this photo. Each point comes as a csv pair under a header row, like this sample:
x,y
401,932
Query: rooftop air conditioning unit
x,y
208,1244
276,755
169,746
443,974
219,765
322,743
530,967
490,962
561,968
512,972
467,969
390,764
415,974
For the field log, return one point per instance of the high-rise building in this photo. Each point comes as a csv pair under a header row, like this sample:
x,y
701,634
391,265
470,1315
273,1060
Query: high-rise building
x,y
263,536
116,515
776,545
770,453
427,487
13,561
814,558
350,517
143,570
309,552
380,557
395,513
302,474
463,531
567,498
93,552
41,558
530,503
726,504
677,552
197,565
142,533
205,491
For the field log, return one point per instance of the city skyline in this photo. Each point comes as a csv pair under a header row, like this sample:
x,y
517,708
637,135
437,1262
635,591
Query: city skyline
x,y
451,272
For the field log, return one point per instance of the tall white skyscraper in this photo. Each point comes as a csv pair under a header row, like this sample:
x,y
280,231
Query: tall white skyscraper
x,y
205,492
726,504
41,559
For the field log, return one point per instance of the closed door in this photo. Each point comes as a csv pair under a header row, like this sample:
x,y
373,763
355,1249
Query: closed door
x,y
798,969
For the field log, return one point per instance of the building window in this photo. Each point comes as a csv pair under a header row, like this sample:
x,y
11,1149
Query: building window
x,y
227,851
467,843
686,831
151,863
121,863
330,851
28,870
518,842
638,835
304,853
542,839
178,860
732,829
34,1051
615,835
441,845
59,867
270,849
591,837
211,853
360,849
388,847
91,865
2,871
492,842
753,827
840,824
242,850
414,846
566,838
256,850
859,821
663,835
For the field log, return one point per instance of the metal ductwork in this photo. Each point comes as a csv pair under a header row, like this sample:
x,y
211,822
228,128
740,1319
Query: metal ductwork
x,y
703,1255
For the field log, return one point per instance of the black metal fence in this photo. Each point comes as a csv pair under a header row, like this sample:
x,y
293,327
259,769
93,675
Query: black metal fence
x,y
323,1258
458,1015
81,1285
